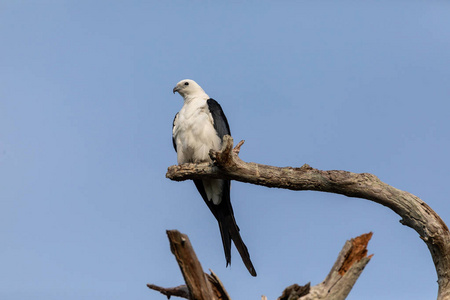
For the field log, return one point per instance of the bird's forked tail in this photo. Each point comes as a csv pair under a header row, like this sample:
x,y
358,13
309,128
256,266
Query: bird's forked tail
x,y
230,231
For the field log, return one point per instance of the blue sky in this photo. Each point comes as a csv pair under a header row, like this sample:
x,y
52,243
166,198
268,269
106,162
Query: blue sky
x,y
86,110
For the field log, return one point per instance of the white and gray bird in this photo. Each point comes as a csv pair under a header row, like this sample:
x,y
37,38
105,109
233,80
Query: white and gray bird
x,y
198,127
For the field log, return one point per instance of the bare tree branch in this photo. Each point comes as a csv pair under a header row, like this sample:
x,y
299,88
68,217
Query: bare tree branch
x,y
343,275
198,285
295,291
178,291
414,212
346,270
218,287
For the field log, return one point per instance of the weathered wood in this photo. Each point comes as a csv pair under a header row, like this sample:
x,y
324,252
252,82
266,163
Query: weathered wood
x,y
295,291
182,291
217,286
346,270
198,285
414,212
178,291
343,275
357,252
336,286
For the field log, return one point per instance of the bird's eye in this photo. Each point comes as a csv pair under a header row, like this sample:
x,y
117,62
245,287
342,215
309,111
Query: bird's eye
x,y
186,83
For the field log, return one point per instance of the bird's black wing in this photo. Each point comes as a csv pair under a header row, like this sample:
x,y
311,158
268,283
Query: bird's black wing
x,y
173,138
220,121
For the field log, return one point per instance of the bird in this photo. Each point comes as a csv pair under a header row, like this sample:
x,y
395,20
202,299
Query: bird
x,y
197,128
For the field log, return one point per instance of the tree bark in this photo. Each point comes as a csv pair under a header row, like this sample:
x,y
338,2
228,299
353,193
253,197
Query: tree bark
x,y
346,270
198,284
414,212
343,275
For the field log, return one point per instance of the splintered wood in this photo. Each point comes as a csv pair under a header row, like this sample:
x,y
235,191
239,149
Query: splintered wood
x,y
357,252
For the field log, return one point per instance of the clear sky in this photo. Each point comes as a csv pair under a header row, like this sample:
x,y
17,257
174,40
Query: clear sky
x,y
86,110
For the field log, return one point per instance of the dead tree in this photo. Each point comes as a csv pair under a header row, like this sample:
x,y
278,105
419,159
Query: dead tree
x,y
202,286
414,212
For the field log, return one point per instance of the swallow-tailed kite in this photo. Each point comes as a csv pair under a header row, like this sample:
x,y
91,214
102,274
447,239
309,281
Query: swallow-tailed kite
x,y
198,127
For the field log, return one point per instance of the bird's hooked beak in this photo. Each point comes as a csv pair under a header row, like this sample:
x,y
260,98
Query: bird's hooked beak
x,y
175,89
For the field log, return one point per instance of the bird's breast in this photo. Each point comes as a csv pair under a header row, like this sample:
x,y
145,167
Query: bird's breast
x,y
195,135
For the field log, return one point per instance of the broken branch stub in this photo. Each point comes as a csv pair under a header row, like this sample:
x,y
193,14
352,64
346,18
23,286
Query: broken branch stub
x,y
342,277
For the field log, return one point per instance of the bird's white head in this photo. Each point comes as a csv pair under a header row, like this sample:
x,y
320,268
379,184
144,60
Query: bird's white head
x,y
188,88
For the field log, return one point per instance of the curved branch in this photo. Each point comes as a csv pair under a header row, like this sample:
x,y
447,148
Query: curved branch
x,y
414,212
